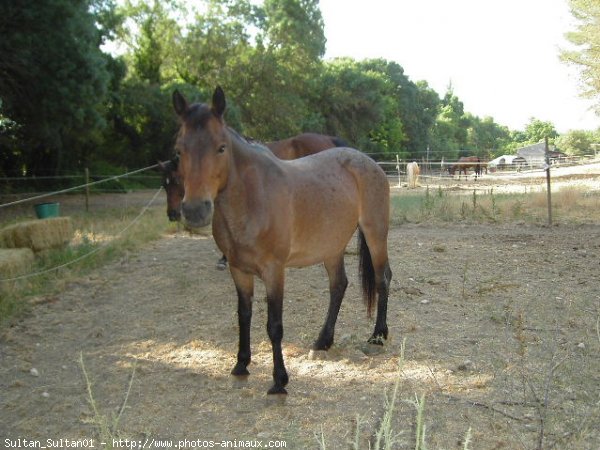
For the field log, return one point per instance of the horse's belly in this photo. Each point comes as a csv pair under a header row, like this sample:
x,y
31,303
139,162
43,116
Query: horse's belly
x,y
324,228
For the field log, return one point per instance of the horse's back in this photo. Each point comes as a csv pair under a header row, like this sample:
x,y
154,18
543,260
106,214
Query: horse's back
x,y
351,174
345,159
302,145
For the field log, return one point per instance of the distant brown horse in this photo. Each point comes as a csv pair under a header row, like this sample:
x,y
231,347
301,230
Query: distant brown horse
x,y
464,163
268,214
173,186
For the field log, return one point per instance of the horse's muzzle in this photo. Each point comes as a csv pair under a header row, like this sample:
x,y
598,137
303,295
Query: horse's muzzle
x,y
197,213
174,215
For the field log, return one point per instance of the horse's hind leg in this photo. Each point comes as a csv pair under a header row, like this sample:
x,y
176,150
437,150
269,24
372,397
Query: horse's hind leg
x,y
383,278
337,287
377,266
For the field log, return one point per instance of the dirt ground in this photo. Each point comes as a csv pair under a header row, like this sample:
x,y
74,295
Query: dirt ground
x,y
500,324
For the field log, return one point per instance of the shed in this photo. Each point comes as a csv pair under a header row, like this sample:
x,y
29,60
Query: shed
x,y
535,154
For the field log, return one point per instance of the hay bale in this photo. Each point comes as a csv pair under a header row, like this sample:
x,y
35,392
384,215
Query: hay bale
x,y
15,261
38,235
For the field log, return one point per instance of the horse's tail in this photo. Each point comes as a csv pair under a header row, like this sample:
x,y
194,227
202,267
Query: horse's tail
x,y
366,272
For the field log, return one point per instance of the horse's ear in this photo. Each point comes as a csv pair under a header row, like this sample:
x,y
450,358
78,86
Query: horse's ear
x,y
179,103
218,102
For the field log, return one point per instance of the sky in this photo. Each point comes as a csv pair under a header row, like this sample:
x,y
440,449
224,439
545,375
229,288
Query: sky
x,y
501,57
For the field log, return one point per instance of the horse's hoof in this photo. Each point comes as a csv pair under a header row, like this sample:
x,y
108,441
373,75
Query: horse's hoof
x,y
240,371
378,339
221,265
370,349
322,346
276,391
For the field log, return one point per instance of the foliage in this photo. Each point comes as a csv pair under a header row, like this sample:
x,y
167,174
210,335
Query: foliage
x,y
586,38
65,105
352,101
485,138
537,130
53,81
449,134
577,142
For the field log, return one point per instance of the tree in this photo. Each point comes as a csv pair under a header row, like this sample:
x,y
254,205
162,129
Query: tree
x,y
576,143
537,130
284,67
485,138
52,84
586,38
148,29
353,102
413,111
450,134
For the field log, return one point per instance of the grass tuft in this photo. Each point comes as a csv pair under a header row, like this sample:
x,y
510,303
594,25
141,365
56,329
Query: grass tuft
x,y
107,426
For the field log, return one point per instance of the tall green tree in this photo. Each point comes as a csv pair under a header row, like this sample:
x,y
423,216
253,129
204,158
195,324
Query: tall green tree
x,y
450,132
537,130
53,81
353,102
284,67
149,30
586,38
485,138
411,114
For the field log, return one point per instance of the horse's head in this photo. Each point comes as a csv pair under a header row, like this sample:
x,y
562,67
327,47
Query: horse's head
x,y
204,149
173,185
452,169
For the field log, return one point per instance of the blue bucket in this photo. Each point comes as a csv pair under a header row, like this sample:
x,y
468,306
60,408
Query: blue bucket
x,y
47,210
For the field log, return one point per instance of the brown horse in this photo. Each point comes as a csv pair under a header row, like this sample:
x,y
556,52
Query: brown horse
x,y
303,145
464,163
173,186
268,214
292,148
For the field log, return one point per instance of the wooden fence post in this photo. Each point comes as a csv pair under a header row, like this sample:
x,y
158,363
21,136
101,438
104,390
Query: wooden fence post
x,y
548,184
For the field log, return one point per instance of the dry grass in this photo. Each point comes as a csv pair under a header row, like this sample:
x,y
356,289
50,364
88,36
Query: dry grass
x,y
571,205
15,261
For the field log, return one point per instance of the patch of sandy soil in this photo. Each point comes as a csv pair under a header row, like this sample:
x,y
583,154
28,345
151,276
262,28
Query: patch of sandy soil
x,y
501,325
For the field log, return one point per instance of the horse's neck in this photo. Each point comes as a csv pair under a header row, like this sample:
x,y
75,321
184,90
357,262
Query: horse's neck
x,y
249,158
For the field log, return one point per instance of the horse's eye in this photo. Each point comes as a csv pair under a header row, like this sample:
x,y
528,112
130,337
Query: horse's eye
x,y
222,148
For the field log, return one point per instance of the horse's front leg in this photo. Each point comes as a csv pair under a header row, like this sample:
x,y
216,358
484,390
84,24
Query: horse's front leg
x,y
244,284
274,281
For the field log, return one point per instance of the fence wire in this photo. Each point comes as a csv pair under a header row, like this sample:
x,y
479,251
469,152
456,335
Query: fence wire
x,y
75,188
